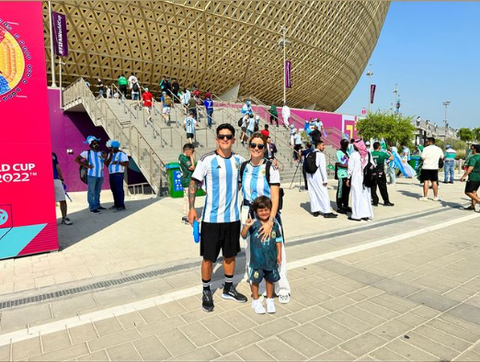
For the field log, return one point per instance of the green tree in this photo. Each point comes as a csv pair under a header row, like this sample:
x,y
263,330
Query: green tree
x,y
394,128
476,134
465,134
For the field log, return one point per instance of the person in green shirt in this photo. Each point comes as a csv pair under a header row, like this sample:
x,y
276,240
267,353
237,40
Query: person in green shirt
x,y
273,114
379,157
187,166
341,170
473,173
122,85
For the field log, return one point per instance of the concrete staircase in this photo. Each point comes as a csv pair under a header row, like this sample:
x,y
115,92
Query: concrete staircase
x,y
154,140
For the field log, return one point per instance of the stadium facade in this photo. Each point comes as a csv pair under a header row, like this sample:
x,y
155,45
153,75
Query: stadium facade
x,y
222,45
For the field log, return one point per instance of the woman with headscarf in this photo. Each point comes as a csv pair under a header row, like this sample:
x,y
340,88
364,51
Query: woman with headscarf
x,y
361,196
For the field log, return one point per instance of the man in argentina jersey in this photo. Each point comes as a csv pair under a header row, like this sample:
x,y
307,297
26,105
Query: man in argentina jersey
x,y
220,229
116,162
93,159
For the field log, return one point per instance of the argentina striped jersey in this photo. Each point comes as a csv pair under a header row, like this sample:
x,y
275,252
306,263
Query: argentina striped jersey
x,y
255,183
118,157
96,160
220,176
190,124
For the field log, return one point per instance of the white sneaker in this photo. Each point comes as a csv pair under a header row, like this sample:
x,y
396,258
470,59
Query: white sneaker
x,y
258,307
284,299
423,199
436,199
477,207
271,306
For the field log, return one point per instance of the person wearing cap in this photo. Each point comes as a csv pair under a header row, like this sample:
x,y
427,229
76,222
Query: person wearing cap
x,y
449,166
93,160
116,162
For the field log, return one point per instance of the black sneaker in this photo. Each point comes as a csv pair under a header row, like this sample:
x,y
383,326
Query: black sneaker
x,y
112,207
101,208
95,211
207,301
232,294
316,214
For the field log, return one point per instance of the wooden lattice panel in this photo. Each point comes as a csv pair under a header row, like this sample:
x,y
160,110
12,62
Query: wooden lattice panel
x,y
218,44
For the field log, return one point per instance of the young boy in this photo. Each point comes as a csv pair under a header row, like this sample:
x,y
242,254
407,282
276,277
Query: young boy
x,y
264,256
187,166
189,125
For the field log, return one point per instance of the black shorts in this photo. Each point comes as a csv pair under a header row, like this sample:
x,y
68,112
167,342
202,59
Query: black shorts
x,y
216,236
257,275
472,186
190,135
429,175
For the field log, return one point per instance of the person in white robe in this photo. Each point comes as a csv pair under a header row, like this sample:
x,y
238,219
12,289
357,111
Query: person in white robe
x,y
361,195
286,115
317,185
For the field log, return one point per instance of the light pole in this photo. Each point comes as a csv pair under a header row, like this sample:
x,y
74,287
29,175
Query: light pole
x,y
369,75
446,104
284,42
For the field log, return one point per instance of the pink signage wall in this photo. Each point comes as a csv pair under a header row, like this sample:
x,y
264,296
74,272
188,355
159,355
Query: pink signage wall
x,y
27,204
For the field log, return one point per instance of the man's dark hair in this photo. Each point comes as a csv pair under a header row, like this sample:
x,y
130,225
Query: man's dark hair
x,y
262,202
376,145
352,140
344,143
476,147
431,139
266,126
226,126
188,146
319,142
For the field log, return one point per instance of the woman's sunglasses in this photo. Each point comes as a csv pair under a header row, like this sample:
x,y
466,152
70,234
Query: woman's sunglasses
x,y
259,145
223,136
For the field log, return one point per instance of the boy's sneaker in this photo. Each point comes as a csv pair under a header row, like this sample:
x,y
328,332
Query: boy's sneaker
x,y
232,294
284,298
436,199
66,221
207,300
477,207
95,211
258,307
101,208
423,199
271,306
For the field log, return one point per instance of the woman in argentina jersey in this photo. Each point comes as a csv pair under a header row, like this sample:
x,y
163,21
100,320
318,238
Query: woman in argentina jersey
x,y
260,177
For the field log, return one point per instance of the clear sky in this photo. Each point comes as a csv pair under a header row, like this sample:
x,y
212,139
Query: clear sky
x,y
432,51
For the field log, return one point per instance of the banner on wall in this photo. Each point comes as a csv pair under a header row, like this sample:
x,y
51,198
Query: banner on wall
x,y
373,87
27,203
288,74
60,41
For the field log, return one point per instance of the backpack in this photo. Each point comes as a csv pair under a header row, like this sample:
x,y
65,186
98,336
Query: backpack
x,y
84,171
240,122
311,163
268,165
135,87
369,173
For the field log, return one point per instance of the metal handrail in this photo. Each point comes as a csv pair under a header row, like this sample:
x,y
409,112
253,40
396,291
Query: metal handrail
x,y
78,91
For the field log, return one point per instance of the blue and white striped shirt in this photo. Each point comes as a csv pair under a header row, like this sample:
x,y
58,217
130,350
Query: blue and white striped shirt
x,y
254,181
95,159
221,182
190,125
118,157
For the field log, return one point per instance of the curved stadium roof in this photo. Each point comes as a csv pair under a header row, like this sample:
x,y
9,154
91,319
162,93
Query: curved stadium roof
x,y
219,44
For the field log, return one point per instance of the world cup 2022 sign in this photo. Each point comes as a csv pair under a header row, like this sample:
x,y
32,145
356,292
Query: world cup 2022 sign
x,y
27,203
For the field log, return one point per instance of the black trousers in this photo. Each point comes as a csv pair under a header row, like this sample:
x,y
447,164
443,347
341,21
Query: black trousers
x,y
381,181
343,193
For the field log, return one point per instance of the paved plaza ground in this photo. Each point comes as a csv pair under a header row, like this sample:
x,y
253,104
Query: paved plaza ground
x,y
126,286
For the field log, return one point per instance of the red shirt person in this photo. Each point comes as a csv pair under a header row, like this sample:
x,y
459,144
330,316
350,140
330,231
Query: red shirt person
x,y
265,131
147,98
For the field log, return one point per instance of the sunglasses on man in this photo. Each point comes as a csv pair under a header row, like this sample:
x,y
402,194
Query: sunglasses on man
x,y
223,136
260,146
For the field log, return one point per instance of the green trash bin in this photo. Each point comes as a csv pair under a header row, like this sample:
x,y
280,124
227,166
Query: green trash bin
x,y
414,162
174,174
